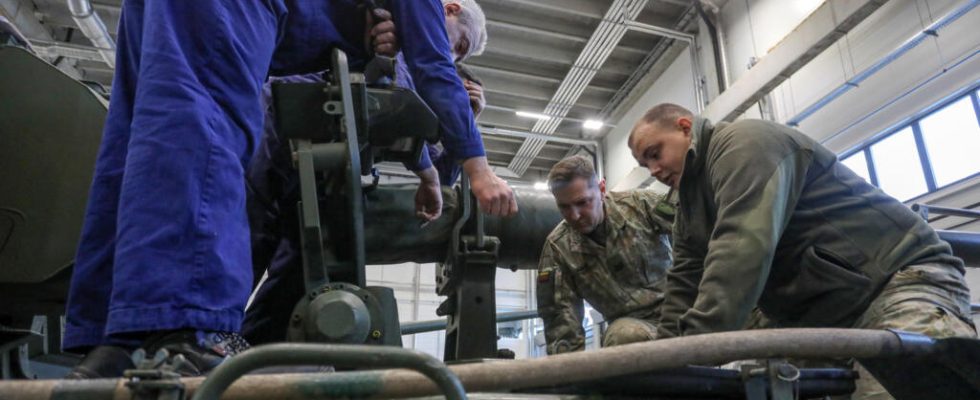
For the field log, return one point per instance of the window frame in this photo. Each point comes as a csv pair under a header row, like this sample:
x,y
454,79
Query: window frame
x,y
973,92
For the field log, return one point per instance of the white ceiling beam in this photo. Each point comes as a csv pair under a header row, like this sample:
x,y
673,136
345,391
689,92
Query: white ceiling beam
x,y
828,23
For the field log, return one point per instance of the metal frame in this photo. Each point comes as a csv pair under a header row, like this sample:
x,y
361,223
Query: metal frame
x,y
320,354
344,157
432,325
599,150
467,278
913,123
692,46
924,160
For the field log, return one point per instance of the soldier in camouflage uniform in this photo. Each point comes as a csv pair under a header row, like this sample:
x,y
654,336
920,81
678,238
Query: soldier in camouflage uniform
x,y
612,250
769,217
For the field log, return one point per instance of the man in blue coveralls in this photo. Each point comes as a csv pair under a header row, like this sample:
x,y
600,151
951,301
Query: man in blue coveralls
x,y
273,183
164,261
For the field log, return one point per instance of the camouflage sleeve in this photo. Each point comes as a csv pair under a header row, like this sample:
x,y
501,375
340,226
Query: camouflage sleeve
x,y
659,212
559,307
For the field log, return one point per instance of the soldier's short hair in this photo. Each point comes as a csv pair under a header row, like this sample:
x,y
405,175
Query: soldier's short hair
x,y
569,169
663,115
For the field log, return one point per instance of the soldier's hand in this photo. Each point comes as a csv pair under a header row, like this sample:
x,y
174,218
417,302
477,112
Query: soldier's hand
x,y
494,195
428,197
383,39
475,91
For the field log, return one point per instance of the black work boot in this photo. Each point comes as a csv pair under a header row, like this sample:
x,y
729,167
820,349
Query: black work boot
x,y
203,350
102,362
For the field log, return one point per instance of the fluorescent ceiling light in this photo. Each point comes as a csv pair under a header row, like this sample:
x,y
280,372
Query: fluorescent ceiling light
x,y
541,185
592,124
533,115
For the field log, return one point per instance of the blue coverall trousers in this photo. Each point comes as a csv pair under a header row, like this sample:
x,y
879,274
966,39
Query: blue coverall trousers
x,y
165,240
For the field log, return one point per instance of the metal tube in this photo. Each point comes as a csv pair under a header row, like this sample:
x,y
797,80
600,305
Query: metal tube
x,y
696,70
965,245
329,156
956,212
531,135
600,161
660,31
94,29
691,41
323,354
393,233
708,349
431,325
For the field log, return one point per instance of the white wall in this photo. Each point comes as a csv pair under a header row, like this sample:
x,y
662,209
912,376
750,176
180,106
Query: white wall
x,y
928,74
674,86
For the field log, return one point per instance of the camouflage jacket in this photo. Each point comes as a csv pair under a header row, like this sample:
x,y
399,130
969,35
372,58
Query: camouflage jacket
x,y
622,277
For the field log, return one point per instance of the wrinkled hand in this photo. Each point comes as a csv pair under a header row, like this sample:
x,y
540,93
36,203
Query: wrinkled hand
x,y
382,36
428,197
475,91
494,195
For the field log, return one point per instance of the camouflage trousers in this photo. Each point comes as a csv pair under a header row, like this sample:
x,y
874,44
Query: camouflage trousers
x,y
628,330
930,299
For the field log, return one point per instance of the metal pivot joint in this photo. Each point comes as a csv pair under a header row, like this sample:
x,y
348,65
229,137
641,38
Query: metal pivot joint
x,y
156,378
328,125
467,278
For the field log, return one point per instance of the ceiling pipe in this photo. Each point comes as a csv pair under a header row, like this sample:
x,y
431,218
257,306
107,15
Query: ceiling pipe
x,y
930,31
62,49
598,48
717,49
92,27
594,144
692,50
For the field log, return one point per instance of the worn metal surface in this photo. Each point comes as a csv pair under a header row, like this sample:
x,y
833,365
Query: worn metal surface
x,y
708,349
966,245
50,128
431,325
393,233
341,355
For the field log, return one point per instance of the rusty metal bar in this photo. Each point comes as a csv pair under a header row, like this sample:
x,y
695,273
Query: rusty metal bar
x,y
325,354
709,349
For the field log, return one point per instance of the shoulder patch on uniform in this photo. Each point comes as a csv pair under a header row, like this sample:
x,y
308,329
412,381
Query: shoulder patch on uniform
x,y
544,275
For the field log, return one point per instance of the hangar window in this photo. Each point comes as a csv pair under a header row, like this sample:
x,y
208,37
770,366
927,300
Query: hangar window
x,y
936,149
858,163
952,137
897,163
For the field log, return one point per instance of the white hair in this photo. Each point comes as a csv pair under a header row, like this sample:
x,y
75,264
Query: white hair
x,y
472,17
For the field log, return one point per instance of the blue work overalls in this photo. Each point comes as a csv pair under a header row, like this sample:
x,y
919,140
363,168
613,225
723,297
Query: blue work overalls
x,y
165,243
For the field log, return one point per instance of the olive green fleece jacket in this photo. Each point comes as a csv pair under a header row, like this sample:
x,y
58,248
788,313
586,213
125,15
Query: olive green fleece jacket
x,y
768,216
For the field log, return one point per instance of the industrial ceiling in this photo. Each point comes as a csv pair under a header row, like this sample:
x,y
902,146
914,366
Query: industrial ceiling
x,y
573,60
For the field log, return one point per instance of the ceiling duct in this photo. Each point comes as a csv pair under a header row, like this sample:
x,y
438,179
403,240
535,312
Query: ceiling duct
x,y
605,38
92,27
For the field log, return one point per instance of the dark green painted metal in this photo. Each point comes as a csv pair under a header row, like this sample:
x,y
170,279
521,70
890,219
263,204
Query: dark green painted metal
x,y
339,355
346,385
393,233
410,328
353,187
50,129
